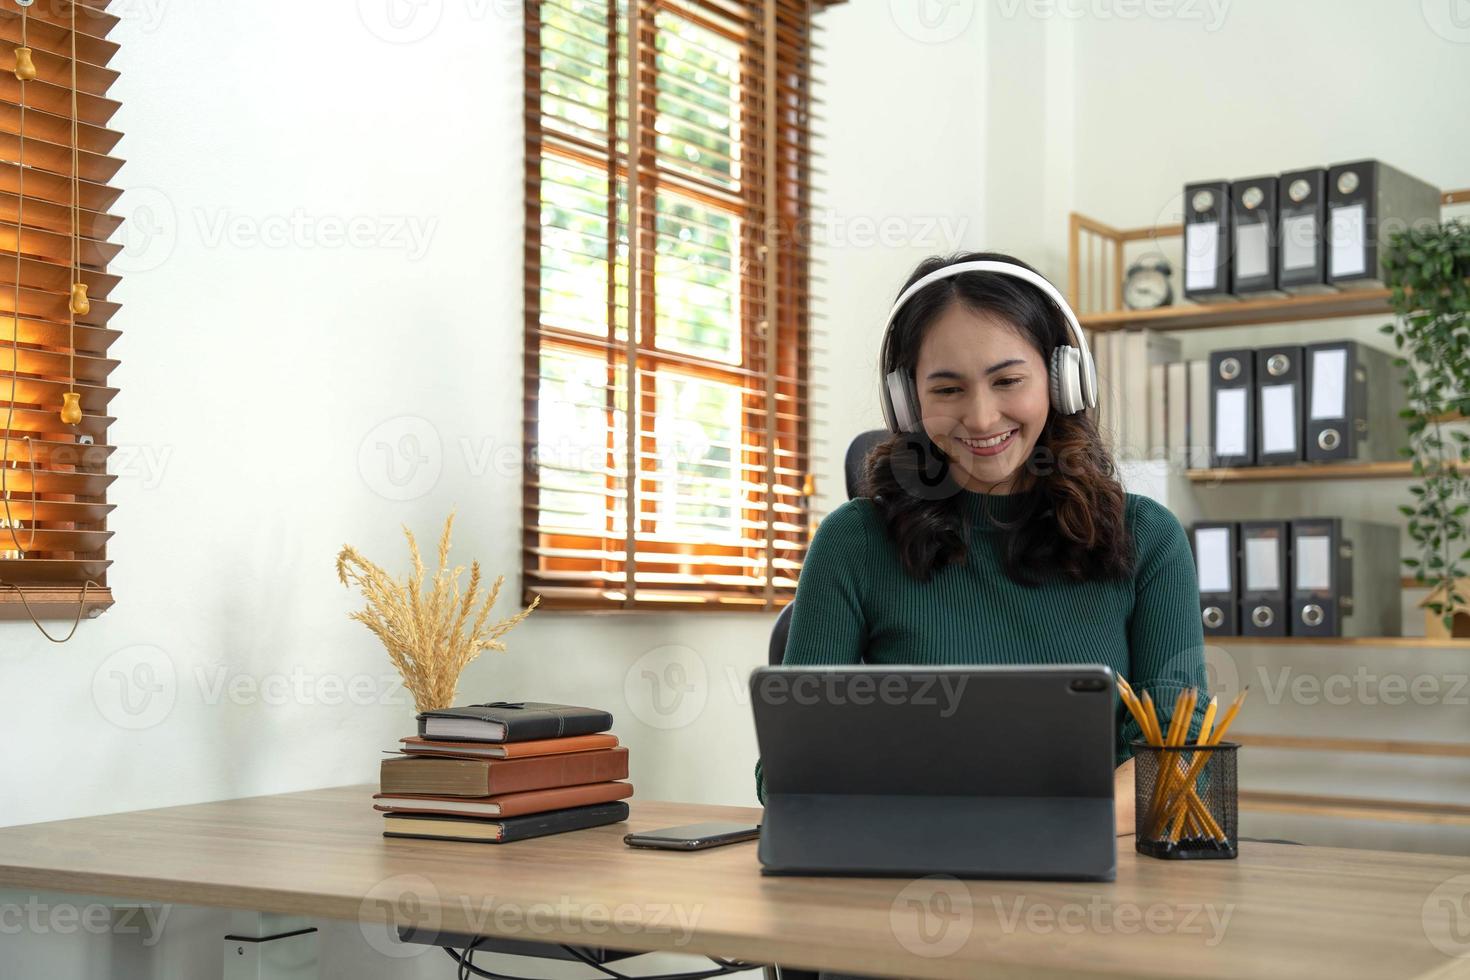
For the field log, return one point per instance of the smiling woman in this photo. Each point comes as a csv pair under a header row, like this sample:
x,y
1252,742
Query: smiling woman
x,y
978,346
983,393
992,529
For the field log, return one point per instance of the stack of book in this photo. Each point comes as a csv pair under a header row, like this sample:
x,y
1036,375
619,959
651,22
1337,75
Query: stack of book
x,y
505,771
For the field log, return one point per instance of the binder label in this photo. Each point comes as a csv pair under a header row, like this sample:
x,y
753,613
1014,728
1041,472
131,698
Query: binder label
x,y
1212,546
1349,255
1329,384
1262,573
1251,250
1298,242
1278,419
1230,422
1201,257
1313,563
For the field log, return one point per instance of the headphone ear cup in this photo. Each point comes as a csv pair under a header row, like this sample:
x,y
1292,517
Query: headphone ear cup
x,y
902,414
1054,379
911,404
885,400
1066,381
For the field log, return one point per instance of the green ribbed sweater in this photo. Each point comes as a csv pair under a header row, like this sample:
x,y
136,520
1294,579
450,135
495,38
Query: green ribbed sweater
x,y
854,598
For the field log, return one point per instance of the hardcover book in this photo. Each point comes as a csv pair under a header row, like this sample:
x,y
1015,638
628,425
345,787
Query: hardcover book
x,y
434,827
431,776
512,721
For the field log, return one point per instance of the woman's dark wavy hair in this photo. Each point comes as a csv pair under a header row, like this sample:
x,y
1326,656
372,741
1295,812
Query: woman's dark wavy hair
x,y
1070,522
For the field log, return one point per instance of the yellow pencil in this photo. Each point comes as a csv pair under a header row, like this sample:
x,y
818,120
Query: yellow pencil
x,y
1206,725
1229,716
1148,723
1168,762
1154,735
1189,706
1202,757
1179,708
1184,711
1136,709
1204,737
1125,692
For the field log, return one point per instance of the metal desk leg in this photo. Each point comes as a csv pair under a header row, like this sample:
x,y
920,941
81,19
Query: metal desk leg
x,y
262,946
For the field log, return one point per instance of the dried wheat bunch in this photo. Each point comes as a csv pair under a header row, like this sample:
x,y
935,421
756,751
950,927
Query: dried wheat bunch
x,y
428,631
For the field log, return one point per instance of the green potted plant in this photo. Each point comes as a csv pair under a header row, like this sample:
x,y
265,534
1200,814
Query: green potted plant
x,y
1428,273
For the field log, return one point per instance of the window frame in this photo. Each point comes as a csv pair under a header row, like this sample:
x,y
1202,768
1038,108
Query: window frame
x,y
772,381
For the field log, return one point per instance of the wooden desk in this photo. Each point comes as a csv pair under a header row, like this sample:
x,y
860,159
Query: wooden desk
x,y
1278,911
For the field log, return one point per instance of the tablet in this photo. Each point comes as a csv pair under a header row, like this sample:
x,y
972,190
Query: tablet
x,y
971,771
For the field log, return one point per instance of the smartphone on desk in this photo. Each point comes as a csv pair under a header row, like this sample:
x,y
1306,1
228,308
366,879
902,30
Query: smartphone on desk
x,y
694,836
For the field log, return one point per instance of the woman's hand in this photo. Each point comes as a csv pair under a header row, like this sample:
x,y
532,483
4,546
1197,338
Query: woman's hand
x,y
1123,799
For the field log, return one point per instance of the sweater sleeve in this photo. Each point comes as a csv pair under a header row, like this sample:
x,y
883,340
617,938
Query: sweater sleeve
x,y
828,625
1166,651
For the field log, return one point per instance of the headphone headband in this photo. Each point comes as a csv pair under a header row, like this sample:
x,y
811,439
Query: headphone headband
x,y
1087,370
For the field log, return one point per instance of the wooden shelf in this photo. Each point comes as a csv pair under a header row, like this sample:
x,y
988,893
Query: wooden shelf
x,y
1341,641
1372,746
1387,470
52,603
1192,316
1096,264
1356,808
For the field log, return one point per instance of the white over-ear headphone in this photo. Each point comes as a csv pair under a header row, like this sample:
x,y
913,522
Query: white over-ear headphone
x,y
1072,371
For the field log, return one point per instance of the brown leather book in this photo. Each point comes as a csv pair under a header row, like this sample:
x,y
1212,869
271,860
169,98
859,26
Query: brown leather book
x,y
508,804
431,776
416,745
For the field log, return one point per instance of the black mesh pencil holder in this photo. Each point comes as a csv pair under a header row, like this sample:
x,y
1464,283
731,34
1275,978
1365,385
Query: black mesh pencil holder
x,y
1186,800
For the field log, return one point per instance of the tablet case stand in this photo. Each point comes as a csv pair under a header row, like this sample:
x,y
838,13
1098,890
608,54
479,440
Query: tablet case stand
x,y
968,837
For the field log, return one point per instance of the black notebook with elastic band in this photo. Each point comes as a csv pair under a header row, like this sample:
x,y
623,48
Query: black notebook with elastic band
x,y
512,721
431,826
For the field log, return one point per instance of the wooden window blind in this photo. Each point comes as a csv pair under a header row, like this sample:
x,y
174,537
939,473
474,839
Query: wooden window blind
x,y
667,333
56,189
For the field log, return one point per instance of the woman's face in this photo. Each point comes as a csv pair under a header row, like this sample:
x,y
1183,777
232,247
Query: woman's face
x,y
983,394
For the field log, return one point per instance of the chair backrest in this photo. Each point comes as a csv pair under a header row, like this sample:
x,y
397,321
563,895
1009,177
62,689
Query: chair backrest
x,y
857,457
777,650
852,466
